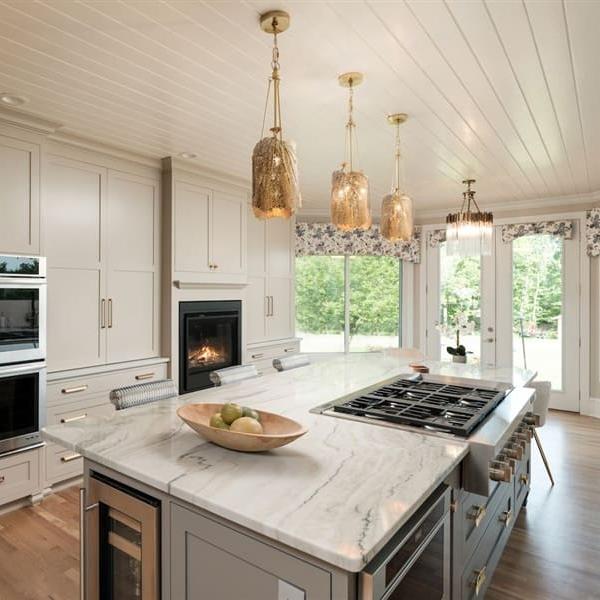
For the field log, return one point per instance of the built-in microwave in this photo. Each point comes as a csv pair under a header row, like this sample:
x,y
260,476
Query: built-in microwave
x,y
22,309
22,405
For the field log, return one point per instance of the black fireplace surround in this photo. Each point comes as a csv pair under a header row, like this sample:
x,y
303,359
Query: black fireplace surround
x,y
210,334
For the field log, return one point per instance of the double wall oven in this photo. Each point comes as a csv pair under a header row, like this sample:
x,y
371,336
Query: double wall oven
x,y
22,351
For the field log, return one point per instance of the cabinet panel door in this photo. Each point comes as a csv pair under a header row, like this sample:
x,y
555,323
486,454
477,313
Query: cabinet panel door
x,y
75,338
280,247
228,233
73,213
280,323
191,228
131,325
256,309
257,244
19,196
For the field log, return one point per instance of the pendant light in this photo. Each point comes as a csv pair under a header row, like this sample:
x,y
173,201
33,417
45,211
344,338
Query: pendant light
x,y
396,208
275,191
349,188
469,231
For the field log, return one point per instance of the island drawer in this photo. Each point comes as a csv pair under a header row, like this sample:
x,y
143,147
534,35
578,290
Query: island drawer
x,y
205,554
479,569
67,390
473,516
62,464
19,475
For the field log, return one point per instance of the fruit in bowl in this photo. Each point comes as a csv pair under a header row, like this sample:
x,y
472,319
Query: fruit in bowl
x,y
237,418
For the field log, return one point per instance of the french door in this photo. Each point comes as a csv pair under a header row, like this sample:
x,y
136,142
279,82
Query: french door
x,y
518,307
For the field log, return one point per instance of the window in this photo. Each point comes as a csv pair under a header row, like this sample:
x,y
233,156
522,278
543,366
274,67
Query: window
x,y
348,304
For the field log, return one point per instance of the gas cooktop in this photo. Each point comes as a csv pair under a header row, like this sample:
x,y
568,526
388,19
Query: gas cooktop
x,y
434,403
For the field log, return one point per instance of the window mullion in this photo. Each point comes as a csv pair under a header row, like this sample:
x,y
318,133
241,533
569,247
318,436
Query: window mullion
x,y
346,304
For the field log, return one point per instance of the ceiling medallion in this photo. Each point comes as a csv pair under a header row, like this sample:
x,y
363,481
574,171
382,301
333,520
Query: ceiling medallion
x,y
397,222
275,190
350,188
469,231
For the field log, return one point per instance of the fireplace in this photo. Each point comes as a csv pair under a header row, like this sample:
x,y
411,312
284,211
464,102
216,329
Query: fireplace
x,y
209,339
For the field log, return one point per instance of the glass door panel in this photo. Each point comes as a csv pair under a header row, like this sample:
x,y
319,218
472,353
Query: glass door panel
x,y
374,321
537,306
459,305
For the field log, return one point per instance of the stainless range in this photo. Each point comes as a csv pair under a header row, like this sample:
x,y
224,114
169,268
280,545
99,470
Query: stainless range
x,y
492,417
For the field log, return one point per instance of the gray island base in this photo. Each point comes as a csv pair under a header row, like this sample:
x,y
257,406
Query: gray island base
x,y
342,513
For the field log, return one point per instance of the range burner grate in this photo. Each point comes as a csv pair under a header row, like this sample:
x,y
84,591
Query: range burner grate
x,y
455,409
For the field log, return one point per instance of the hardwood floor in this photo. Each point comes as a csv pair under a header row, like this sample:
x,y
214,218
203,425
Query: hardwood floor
x,y
553,552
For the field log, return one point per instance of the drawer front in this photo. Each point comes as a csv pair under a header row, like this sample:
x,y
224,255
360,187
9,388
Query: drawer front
x,y
476,513
68,390
97,406
19,475
271,352
479,570
62,464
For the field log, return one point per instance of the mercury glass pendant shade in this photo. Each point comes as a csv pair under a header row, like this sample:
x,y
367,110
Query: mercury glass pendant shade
x,y
275,189
469,231
350,200
397,221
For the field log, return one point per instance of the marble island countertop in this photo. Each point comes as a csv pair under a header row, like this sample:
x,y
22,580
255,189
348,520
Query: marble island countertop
x,y
339,493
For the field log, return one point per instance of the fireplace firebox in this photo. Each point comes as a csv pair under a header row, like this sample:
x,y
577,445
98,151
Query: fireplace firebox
x,y
209,339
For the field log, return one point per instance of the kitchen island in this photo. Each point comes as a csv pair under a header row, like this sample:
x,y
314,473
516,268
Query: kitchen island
x,y
328,503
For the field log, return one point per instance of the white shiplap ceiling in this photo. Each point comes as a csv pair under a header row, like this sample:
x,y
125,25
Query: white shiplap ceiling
x,y
507,92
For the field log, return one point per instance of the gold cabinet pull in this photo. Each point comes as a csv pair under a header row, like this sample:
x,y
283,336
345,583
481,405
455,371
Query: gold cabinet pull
x,y
110,312
145,376
74,390
258,355
479,580
102,313
289,350
477,514
73,419
524,479
2,478
69,458
506,517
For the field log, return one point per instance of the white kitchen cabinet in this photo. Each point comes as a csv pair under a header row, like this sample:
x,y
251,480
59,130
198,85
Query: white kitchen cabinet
x,y
270,270
19,196
209,234
102,242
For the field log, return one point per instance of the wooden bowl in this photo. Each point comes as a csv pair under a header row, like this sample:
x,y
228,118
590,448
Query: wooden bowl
x,y
277,430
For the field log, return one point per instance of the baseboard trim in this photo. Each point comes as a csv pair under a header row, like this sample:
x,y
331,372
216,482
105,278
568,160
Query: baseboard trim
x,y
591,407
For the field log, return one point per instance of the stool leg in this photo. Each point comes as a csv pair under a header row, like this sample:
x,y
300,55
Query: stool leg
x,y
539,445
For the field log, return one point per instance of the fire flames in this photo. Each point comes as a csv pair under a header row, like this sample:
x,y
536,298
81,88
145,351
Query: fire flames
x,y
205,355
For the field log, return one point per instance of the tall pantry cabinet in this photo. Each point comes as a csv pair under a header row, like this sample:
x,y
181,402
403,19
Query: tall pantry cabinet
x,y
103,247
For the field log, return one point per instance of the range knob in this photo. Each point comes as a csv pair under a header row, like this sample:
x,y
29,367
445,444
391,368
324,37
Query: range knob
x,y
514,451
530,419
500,471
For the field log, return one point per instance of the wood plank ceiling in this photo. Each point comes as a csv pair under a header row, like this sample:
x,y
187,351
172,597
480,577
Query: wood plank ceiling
x,y
506,92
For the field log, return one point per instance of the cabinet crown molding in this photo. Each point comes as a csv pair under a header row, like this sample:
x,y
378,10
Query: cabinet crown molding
x,y
28,121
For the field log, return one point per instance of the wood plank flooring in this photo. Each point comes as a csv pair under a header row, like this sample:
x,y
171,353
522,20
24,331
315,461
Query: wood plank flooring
x,y
553,552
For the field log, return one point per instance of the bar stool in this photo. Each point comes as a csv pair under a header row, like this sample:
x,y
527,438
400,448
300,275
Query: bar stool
x,y
143,393
285,363
540,409
233,374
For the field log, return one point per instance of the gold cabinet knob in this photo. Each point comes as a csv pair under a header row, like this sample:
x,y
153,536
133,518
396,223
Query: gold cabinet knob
x,y
477,514
480,577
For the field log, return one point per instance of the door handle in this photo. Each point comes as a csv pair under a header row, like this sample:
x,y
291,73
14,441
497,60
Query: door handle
x,y
102,313
272,307
267,306
110,312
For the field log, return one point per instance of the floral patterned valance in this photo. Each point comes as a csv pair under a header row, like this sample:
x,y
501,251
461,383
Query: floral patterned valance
x,y
325,239
437,237
513,231
592,232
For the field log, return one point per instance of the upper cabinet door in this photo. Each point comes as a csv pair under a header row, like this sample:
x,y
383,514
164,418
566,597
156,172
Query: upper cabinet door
x,y
257,244
74,208
19,197
191,228
280,247
133,252
228,233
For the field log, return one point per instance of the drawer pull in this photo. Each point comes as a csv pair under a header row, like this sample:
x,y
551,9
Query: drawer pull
x,y
74,390
1,478
145,376
477,514
73,419
524,479
69,458
289,350
506,517
479,580
258,355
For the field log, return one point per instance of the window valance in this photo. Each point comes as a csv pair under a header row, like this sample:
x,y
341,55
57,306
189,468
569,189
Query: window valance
x,y
437,237
563,229
322,238
592,232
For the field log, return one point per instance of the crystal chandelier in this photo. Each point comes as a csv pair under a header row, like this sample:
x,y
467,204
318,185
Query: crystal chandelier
x,y
396,208
349,188
469,231
275,191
